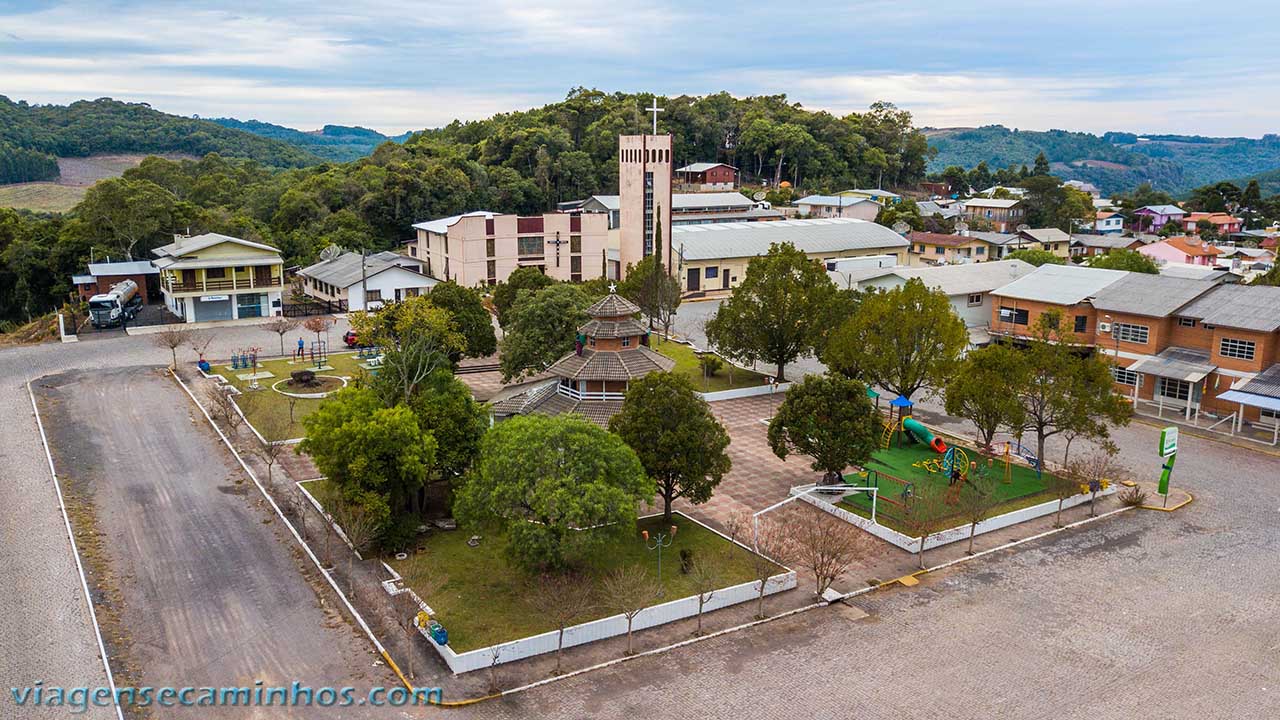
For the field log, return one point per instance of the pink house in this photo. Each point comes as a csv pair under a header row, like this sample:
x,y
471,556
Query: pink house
x,y
1181,250
1224,223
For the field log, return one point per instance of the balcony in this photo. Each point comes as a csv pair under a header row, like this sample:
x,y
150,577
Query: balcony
x,y
224,284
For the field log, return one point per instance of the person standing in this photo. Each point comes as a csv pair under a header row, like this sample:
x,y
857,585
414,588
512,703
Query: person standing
x,y
298,354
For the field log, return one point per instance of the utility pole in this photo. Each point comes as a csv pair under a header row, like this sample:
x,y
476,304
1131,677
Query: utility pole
x,y
364,282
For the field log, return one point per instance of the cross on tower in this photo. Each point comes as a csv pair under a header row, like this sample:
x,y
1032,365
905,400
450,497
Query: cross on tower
x,y
655,110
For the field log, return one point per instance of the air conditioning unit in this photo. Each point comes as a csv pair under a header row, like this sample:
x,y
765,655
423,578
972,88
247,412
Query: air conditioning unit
x,y
1104,327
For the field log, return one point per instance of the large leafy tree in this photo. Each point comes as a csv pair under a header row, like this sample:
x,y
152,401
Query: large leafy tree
x,y
377,457
652,287
469,316
1124,259
830,419
559,487
782,310
541,328
1036,257
527,279
679,442
979,390
903,339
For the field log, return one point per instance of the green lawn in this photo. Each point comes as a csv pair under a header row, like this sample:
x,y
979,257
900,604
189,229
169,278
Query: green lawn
x,y
268,409
482,599
687,365
889,469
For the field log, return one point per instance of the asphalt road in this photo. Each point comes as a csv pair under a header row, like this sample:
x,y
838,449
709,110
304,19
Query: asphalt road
x,y
45,631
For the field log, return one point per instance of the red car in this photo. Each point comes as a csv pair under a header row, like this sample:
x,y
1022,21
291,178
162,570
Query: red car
x,y
349,337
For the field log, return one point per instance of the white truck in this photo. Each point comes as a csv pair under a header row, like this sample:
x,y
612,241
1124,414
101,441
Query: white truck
x,y
116,306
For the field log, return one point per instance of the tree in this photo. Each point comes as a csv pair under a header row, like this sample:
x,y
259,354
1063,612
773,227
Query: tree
x,y
824,545
564,599
903,339
560,487
361,528
377,457
505,294
405,367
416,318
830,419
654,290
272,427
979,390
627,591
281,326
1094,472
316,325
768,538
541,328
134,215
1036,256
706,576
1170,229
222,407
783,309
679,442
978,499
171,338
1124,259
469,316
925,510
1042,165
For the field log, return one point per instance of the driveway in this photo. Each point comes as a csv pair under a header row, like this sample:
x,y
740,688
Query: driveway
x,y
211,592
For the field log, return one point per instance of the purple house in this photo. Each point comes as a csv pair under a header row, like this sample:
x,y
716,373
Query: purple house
x,y
1151,218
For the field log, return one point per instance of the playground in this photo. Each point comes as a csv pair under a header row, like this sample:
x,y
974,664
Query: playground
x,y
270,404
912,458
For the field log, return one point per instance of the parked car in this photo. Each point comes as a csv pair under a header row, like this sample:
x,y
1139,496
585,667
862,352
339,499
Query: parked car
x,y
349,337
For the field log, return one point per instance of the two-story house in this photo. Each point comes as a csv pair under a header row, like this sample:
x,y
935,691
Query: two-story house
x,y
1188,250
1150,218
1107,222
1051,240
1224,223
1005,215
218,277
939,249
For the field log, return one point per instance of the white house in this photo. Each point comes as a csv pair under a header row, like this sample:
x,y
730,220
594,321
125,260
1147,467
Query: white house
x,y
820,206
966,286
1109,223
365,283
218,277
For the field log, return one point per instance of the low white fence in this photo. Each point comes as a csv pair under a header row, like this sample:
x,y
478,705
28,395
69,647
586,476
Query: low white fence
x,y
594,630
950,535
745,392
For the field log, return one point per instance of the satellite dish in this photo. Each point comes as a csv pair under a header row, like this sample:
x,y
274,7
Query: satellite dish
x,y
901,227
331,252
1023,227
962,226
759,195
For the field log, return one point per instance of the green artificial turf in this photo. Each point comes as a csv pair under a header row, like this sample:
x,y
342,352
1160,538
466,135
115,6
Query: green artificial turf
x,y
687,364
267,409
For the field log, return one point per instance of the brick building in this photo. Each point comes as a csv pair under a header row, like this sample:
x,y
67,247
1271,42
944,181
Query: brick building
x,y
707,176
102,276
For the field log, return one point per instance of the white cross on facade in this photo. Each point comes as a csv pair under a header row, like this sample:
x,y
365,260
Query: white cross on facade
x,y
655,110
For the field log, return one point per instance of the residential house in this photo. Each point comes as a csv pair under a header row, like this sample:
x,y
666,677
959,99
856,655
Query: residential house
x,y
938,249
1085,245
1016,192
935,189
883,197
967,287
1108,222
1224,223
713,258
219,277
1084,187
355,282
103,275
838,206
1189,250
1206,273
1000,244
1005,215
1051,240
945,210
705,177
483,248
1150,218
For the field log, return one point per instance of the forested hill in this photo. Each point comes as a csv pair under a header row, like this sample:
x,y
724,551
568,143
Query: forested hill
x,y
32,136
1114,161
332,142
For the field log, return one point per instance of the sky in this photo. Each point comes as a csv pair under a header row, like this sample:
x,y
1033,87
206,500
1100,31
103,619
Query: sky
x,y
1153,67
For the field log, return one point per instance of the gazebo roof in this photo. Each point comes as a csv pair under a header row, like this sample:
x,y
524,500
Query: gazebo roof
x,y
612,305
626,364
609,328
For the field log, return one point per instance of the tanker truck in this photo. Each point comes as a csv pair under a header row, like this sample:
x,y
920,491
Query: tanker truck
x,y
116,306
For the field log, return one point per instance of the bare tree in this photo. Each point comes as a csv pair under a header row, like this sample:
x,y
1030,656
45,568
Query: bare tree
x,y
768,537
420,573
1093,471
361,529
924,512
495,654
223,407
628,590
199,343
824,544
706,575
564,599
269,452
293,406
413,362
978,499
282,326
172,337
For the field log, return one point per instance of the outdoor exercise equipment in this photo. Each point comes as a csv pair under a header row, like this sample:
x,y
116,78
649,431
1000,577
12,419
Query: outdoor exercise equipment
x,y
921,434
319,352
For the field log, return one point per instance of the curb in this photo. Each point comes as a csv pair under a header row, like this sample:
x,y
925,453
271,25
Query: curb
x,y
1180,505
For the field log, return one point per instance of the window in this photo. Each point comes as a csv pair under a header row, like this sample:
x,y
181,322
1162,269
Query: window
x,y
1013,315
1173,389
1238,349
413,250
490,247
373,296
1136,334
529,246
1082,323
491,270
575,243
1186,322
975,299
411,292
1269,417
626,342
1124,376
713,272
980,250
920,248
939,250
215,273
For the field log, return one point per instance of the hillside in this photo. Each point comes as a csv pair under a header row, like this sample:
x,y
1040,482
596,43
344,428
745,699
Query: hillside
x,y
339,143
1115,161
32,137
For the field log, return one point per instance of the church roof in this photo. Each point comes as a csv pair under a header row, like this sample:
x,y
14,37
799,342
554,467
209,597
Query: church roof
x,y
626,364
612,305
609,328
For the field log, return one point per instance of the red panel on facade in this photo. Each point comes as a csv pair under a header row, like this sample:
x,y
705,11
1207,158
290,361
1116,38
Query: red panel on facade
x,y
529,225
488,226
575,223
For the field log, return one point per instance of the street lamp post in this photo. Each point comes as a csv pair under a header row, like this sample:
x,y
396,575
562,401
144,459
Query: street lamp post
x,y
659,541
